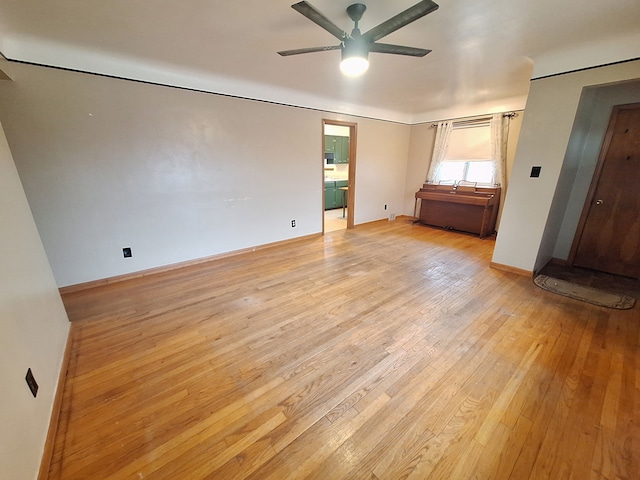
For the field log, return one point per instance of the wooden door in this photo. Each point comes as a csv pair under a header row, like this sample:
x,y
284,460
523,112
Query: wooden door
x,y
608,237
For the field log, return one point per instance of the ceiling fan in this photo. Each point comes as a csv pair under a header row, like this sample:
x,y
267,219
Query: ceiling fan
x,y
356,46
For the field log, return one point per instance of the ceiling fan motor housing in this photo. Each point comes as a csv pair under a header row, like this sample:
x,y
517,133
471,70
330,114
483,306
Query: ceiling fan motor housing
x,y
356,11
355,47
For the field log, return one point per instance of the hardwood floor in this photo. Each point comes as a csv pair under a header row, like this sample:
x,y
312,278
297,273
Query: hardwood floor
x,y
388,351
333,220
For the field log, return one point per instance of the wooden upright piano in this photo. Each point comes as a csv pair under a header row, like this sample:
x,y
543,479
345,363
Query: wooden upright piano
x,y
466,208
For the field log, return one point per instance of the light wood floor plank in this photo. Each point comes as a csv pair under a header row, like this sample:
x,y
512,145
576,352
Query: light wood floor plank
x,y
388,351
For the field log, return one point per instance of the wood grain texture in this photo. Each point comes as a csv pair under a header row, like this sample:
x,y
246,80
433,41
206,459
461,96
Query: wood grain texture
x,y
608,235
388,351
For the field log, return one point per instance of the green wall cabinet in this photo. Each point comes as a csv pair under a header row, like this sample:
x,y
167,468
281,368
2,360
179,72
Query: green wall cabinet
x,y
338,146
345,150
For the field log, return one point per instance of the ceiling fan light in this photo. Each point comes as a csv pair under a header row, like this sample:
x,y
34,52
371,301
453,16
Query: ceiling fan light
x,y
355,59
354,66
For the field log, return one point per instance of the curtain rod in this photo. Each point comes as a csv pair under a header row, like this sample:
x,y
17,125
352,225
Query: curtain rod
x,y
475,118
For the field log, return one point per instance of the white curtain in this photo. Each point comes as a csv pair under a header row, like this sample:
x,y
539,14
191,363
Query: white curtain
x,y
443,133
499,134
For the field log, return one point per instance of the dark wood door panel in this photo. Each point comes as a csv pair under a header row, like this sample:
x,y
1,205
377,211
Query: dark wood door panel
x,y
610,237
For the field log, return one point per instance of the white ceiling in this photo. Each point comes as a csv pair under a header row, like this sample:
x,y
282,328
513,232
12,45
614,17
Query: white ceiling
x,y
484,51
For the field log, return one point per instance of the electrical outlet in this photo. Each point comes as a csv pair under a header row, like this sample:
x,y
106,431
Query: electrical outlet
x,y
126,252
31,381
385,206
293,223
535,172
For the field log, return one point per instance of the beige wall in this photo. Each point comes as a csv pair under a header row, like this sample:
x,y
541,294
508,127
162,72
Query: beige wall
x,y
534,208
33,330
421,141
175,174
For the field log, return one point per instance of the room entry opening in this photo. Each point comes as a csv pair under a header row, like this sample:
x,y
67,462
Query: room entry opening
x,y
338,174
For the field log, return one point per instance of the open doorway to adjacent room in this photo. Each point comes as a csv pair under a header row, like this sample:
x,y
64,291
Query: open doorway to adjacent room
x,y
338,174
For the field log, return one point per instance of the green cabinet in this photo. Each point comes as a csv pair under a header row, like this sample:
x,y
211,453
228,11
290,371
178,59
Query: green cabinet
x,y
330,195
344,150
337,148
341,195
334,197
329,149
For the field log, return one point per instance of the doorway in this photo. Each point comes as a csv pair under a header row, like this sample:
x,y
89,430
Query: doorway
x,y
608,235
338,174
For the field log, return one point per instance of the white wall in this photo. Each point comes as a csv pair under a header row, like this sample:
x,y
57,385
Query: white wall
x,y
33,330
544,140
421,142
338,130
381,164
174,174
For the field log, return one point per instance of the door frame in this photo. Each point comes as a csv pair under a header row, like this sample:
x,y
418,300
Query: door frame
x,y
596,179
353,134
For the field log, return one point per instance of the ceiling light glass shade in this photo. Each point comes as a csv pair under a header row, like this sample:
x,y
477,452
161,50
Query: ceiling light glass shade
x,y
354,66
354,58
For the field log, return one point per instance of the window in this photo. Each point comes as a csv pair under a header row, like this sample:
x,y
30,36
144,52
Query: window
x,y
481,172
451,171
468,155
471,171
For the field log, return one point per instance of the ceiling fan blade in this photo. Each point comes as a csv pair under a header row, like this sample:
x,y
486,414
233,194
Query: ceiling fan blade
x,y
398,50
298,51
309,11
411,14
